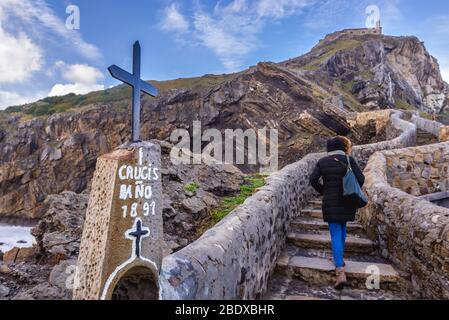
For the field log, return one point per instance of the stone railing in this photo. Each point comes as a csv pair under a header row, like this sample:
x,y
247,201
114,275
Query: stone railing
x,y
435,128
235,258
400,134
426,125
412,232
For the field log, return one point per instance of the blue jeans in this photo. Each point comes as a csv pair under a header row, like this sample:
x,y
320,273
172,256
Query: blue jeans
x,y
338,238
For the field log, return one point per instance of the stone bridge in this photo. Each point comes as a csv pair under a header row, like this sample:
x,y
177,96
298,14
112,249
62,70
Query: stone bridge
x,y
275,246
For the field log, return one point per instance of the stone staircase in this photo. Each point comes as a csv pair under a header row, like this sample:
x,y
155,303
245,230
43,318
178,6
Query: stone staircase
x,y
305,271
424,138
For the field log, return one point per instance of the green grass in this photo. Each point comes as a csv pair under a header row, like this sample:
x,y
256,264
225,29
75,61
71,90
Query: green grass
x,y
191,187
403,105
367,75
425,115
230,203
118,97
330,50
347,86
345,89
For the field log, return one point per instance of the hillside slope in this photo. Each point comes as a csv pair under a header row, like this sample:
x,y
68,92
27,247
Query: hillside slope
x,y
376,72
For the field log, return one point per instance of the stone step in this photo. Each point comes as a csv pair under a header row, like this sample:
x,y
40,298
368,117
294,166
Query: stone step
x,y
322,272
323,241
312,213
307,223
315,203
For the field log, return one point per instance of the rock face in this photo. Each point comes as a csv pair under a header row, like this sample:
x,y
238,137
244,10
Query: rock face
x,y
59,232
305,98
378,71
48,272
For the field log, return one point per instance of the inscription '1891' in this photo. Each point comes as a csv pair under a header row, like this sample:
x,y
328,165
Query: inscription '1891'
x,y
137,188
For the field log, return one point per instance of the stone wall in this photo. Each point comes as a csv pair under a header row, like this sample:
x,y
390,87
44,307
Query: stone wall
x,y
351,32
419,171
432,127
400,133
413,233
235,259
436,128
444,134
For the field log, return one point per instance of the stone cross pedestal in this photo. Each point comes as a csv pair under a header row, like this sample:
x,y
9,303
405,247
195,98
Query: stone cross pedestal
x,y
121,248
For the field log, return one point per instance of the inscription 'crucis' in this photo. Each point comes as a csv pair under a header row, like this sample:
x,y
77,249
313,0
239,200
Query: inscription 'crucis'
x,y
135,188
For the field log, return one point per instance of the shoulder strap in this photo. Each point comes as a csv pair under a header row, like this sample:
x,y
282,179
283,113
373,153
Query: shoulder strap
x,y
347,166
349,162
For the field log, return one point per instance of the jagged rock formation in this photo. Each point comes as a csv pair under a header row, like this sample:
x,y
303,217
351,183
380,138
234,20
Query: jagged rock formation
x,y
378,71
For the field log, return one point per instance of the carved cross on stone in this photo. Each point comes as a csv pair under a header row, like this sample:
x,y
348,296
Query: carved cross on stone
x,y
138,85
137,232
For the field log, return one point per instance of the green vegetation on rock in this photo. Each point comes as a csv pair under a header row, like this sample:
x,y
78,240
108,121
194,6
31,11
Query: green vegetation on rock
x,y
253,182
117,97
329,51
403,105
191,187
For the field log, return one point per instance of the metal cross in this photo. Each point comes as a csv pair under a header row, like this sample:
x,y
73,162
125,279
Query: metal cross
x,y
138,233
138,85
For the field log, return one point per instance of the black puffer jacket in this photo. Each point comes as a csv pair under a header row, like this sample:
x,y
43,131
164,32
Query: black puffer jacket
x,y
335,209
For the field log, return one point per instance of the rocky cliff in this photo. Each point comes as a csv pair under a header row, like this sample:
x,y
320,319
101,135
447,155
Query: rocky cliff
x,y
375,71
305,98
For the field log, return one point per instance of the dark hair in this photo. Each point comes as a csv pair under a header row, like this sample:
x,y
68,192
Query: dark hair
x,y
335,144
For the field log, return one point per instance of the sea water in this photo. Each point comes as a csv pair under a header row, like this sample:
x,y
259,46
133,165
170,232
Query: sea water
x,y
15,236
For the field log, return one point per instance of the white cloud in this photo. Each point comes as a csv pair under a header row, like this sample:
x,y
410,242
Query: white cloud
x,y
231,31
8,99
391,13
38,15
81,73
19,57
174,20
281,8
82,79
324,14
230,44
76,88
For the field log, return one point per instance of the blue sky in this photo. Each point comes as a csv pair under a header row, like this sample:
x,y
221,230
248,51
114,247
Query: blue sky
x,y
40,56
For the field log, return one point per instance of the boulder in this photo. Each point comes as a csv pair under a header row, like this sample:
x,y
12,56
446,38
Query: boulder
x,y
194,205
18,255
4,291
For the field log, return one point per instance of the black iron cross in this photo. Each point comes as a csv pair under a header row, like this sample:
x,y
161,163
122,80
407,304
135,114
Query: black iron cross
x,y
138,234
138,85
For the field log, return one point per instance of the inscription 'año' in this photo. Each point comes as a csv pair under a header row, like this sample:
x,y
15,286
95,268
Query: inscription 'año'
x,y
138,190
